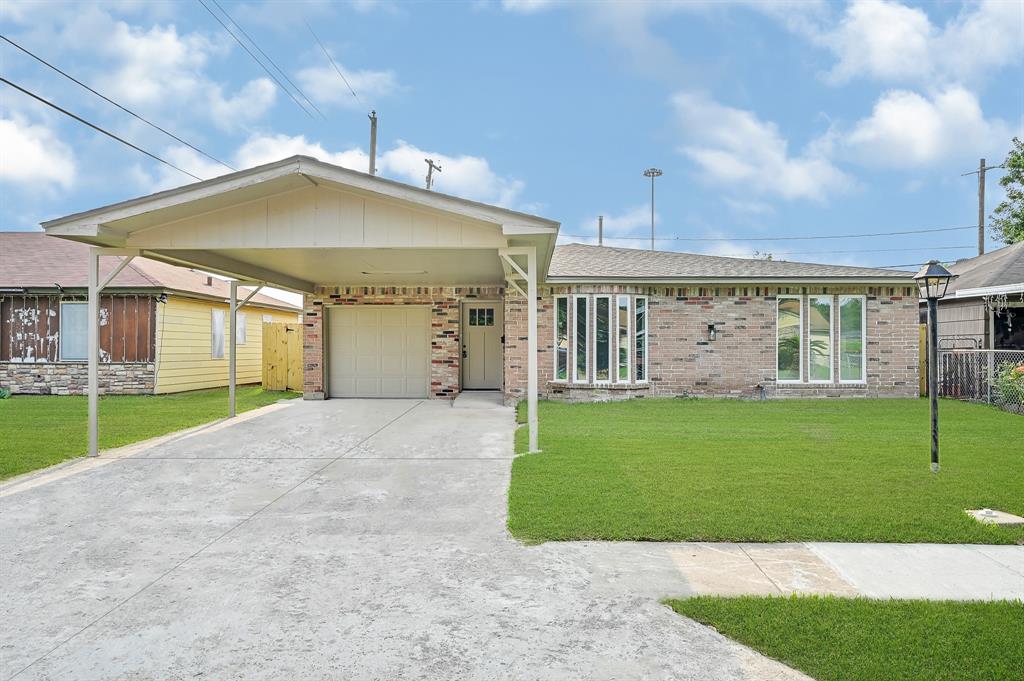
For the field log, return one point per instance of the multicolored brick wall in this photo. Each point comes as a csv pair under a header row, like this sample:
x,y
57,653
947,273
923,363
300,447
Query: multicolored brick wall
x,y
72,378
740,362
445,344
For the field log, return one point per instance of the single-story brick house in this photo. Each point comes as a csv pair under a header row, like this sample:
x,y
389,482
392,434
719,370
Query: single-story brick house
x,y
412,293
163,328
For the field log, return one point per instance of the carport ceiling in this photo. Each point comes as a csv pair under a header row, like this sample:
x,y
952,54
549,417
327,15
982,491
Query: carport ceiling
x,y
369,266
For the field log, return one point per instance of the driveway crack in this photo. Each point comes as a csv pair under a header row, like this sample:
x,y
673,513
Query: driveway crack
x,y
216,539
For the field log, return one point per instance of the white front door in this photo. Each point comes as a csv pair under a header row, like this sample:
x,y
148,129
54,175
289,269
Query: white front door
x,y
482,331
378,351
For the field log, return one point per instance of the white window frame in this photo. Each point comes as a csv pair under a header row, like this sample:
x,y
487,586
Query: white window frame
x,y
575,307
863,338
240,330
611,341
217,352
60,346
800,335
630,341
647,336
831,340
569,339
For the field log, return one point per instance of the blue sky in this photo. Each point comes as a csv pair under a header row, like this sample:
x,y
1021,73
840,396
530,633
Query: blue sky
x,y
768,119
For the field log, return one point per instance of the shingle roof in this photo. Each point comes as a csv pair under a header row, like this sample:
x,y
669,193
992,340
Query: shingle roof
x,y
996,268
582,261
35,260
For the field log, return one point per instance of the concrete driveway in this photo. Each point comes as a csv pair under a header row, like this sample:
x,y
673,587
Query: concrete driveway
x,y
324,540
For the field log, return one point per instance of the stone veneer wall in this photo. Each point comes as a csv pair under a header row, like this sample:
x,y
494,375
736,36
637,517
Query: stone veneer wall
x,y
71,378
445,344
682,361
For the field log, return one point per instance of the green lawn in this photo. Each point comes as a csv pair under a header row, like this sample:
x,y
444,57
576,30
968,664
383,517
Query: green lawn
x,y
40,430
855,639
777,470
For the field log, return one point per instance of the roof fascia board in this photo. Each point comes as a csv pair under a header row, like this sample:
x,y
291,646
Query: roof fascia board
x,y
171,197
906,281
989,290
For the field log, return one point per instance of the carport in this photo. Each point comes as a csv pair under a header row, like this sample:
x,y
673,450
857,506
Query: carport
x,y
303,225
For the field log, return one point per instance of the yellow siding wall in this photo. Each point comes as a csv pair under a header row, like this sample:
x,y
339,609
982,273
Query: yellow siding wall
x,y
183,337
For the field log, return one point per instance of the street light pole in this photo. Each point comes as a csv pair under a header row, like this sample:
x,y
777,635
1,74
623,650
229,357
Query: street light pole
x,y
652,173
932,281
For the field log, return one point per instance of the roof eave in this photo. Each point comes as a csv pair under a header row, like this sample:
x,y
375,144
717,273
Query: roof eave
x,y
906,281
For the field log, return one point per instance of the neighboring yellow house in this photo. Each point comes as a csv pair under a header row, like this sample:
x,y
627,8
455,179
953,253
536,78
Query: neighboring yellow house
x,y
163,329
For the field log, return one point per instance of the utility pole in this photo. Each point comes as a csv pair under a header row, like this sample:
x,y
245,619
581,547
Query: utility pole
x,y
431,167
652,173
373,142
981,201
600,230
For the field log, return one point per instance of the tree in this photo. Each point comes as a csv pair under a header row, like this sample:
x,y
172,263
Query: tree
x,y
1008,218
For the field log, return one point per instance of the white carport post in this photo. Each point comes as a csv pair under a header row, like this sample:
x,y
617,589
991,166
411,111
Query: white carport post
x,y
233,340
530,275
95,288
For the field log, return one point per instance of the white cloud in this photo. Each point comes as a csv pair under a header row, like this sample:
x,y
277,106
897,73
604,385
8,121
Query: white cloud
x,y
906,129
633,222
891,42
466,176
33,154
526,6
323,84
734,147
248,104
261,149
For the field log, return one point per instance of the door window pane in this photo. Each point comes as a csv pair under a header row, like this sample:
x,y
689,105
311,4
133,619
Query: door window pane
x,y
851,338
602,338
820,329
74,331
640,319
582,340
622,325
472,316
217,334
561,339
489,315
789,325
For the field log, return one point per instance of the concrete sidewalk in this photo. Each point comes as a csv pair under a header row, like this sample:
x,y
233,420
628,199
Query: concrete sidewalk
x,y
926,571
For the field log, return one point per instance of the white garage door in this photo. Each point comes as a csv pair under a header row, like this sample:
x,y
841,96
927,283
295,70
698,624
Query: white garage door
x,y
378,351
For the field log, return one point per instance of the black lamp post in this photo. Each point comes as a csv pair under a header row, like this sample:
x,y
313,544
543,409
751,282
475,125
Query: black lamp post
x,y
932,281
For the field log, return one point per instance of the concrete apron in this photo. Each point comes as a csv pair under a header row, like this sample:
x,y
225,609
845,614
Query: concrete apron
x,y
325,540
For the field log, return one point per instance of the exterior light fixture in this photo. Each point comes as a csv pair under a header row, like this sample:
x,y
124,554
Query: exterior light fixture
x,y
712,332
932,282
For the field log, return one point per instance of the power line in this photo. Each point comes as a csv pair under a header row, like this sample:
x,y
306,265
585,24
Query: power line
x,y
330,59
778,238
874,250
255,58
108,99
97,128
267,57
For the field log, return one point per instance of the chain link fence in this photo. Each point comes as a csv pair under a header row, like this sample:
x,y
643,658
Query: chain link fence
x,y
992,376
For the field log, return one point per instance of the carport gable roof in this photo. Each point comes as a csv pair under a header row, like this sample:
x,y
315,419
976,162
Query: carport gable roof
x,y
132,223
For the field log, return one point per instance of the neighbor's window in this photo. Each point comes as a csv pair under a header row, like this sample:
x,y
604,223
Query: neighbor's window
x,y
622,338
217,334
240,331
640,317
602,339
819,327
790,349
74,331
561,338
851,339
581,333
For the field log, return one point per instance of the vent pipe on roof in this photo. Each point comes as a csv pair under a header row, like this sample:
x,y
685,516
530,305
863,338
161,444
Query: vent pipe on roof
x,y
209,280
600,230
373,142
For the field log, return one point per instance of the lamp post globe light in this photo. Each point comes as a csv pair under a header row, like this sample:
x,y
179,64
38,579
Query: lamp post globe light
x,y
932,281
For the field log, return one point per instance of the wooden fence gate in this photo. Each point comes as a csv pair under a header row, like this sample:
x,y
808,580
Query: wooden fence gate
x,y
282,356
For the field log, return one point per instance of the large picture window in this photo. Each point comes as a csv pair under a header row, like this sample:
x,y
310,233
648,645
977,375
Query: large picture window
x,y
851,340
622,339
819,329
602,339
561,339
640,319
789,345
581,342
74,331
